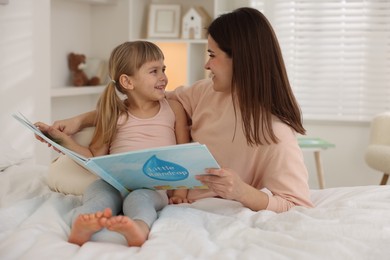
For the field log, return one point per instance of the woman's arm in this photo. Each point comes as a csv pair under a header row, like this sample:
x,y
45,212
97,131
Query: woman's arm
x,y
74,124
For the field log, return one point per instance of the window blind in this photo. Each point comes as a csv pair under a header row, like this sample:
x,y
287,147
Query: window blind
x,y
337,54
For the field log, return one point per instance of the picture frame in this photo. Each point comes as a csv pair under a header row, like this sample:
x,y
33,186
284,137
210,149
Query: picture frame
x,y
164,21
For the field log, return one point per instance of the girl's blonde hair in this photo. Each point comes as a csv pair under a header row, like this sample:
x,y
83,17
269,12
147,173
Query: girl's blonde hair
x,y
126,58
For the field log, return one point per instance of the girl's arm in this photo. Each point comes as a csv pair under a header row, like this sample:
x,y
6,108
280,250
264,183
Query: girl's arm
x,y
68,142
181,124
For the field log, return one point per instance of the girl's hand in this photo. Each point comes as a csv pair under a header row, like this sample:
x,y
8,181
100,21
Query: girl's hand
x,y
52,133
69,126
224,182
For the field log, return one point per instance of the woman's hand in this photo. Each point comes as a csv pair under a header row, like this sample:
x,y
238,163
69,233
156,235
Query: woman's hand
x,y
224,182
227,184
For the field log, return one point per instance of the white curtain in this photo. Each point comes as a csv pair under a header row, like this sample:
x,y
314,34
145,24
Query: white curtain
x,y
337,54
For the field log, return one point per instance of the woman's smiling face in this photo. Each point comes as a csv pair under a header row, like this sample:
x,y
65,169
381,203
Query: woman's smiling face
x,y
220,65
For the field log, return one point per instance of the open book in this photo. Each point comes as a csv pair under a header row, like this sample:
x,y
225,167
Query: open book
x,y
164,168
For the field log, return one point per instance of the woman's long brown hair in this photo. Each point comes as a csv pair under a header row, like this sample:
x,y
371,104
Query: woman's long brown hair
x,y
260,84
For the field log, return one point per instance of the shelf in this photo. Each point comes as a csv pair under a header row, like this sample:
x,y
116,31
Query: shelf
x,y
76,91
177,40
97,2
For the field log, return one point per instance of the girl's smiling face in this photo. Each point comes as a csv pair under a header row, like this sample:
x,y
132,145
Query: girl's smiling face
x,y
150,80
220,65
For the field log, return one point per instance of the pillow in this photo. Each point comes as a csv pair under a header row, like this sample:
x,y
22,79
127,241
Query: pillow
x,y
67,176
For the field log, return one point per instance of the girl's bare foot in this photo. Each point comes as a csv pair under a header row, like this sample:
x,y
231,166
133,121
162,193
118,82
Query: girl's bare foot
x,y
86,225
135,231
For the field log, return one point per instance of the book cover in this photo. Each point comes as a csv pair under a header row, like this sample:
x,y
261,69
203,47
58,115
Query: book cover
x,y
161,168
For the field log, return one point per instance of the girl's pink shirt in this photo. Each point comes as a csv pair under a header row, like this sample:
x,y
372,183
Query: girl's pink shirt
x,y
138,133
278,168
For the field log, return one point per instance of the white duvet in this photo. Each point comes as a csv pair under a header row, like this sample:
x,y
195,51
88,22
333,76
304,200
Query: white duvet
x,y
347,223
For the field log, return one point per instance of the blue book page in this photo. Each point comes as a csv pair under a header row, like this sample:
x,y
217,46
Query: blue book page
x,y
163,168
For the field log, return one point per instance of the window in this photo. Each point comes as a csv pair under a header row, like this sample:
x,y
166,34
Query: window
x,y
337,54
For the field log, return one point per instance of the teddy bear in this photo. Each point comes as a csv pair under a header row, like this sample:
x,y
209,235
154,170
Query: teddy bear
x,y
77,63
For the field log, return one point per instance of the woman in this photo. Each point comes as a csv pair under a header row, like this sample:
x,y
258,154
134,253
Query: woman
x,y
246,114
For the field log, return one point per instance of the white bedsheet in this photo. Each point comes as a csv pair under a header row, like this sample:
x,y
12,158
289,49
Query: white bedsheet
x,y
347,223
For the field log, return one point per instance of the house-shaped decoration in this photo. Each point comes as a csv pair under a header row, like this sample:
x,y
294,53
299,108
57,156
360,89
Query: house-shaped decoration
x,y
194,22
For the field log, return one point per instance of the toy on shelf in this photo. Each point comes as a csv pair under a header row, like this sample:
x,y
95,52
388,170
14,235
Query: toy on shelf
x,y
194,22
77,65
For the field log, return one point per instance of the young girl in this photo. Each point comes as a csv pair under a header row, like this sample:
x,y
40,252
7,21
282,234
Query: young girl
x,y
143,119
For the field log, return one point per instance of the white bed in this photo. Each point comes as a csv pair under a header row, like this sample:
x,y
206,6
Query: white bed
x,y
347,223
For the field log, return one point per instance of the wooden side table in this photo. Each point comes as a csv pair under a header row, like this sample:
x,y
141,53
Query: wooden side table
x,y
316,145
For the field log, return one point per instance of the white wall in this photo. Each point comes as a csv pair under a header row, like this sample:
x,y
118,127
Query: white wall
x,y
70,32
24,70
343,165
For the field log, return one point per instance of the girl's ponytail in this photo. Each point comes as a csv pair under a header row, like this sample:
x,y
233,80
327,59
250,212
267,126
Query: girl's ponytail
x,y
109,108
